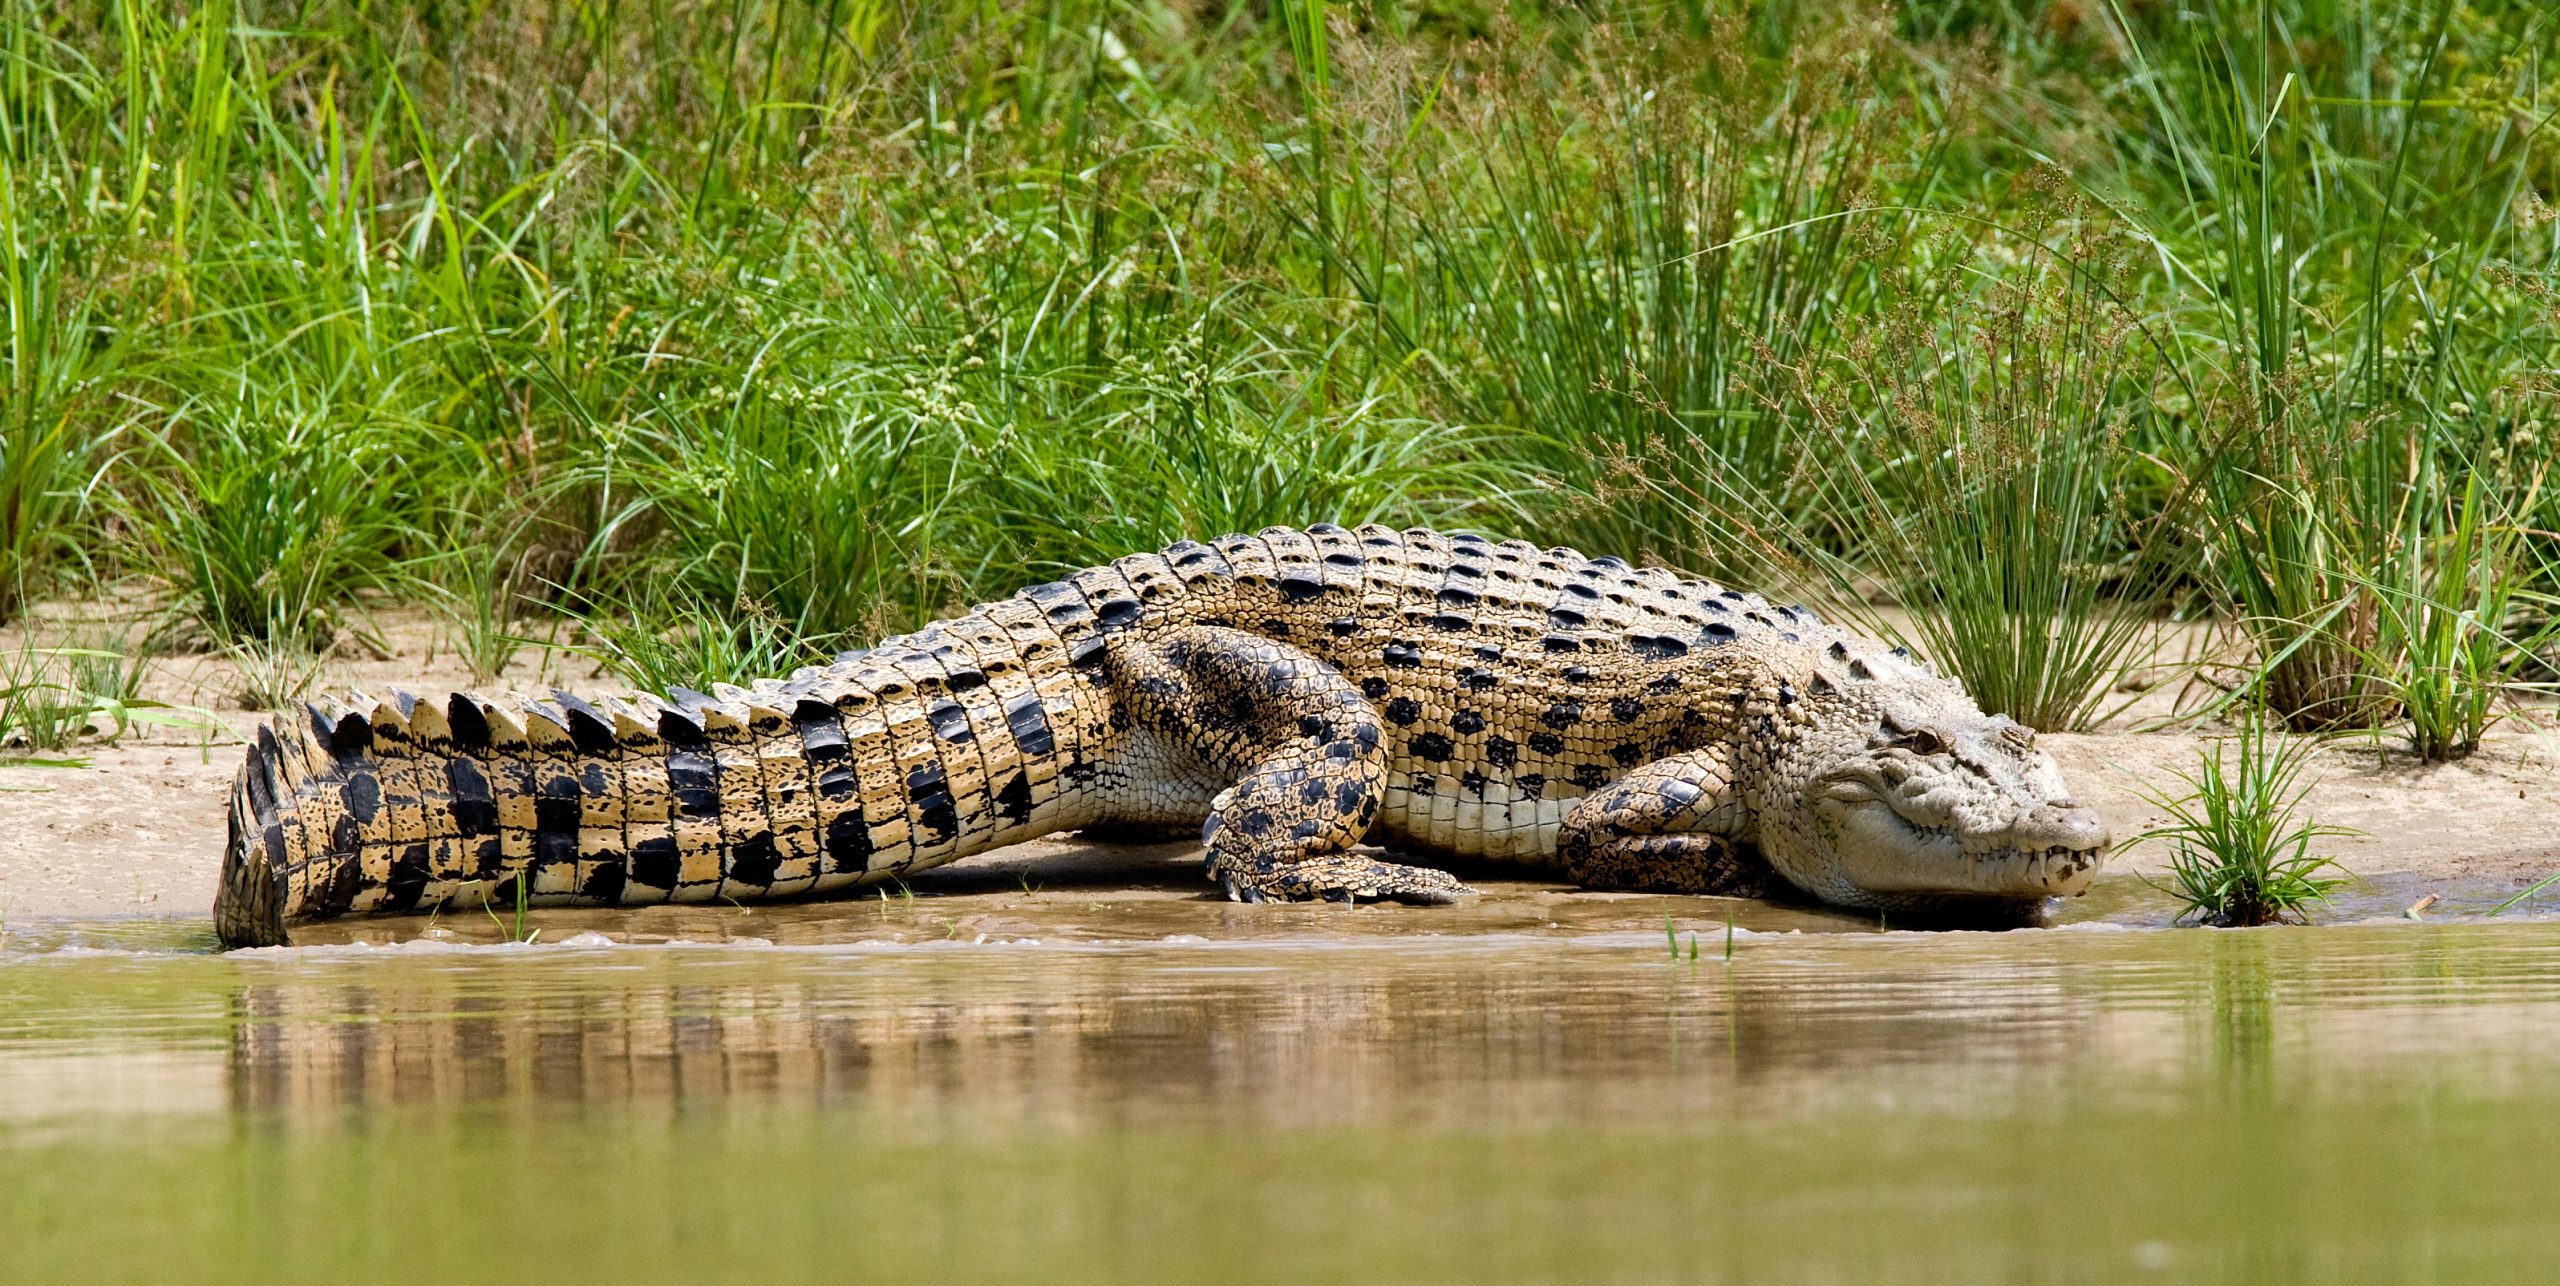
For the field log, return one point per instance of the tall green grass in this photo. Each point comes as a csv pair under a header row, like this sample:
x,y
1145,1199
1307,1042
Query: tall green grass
x,y
1622,267
787,325
268,511
1976,466
2327,211
2459,629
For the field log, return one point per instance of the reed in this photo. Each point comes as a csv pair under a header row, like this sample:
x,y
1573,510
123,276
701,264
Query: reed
x,y
796,324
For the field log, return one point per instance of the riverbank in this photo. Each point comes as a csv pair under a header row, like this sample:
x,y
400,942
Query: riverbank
x,y
139,829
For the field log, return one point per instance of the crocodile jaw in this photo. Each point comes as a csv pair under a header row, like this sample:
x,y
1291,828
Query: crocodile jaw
x,y
1882,859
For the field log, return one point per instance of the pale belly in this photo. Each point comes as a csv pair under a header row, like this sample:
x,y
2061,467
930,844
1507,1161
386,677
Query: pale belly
x,y
1151,782
1441,814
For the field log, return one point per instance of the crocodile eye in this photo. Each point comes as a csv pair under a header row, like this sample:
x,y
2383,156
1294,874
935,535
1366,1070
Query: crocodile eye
x,y
1921,741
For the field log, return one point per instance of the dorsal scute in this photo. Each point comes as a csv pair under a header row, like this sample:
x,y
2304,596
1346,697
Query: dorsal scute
x,y
1150,577
546,728
725,722
506,728
390,721
428,724
635,728
1340,562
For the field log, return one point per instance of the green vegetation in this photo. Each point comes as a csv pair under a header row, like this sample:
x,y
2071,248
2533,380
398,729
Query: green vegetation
x,y
716,335
2239,853
52,697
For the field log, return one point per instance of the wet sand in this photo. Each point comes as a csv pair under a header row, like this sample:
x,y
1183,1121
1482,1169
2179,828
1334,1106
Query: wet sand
x,y
139,831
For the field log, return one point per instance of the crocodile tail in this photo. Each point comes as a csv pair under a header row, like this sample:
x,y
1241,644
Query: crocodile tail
x,y
248,905
405,804
395,805
832,778
295,841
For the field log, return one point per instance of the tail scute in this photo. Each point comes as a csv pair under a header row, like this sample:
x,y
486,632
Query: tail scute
x,y
352,738
248,905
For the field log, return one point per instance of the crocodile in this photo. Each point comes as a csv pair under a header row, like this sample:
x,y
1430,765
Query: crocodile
x,y
1311,703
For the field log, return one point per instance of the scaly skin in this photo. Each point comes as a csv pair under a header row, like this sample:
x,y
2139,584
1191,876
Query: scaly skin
x,y
1292,693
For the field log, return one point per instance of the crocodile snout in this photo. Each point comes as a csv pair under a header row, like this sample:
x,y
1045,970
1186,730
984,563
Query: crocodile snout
x,y
2063,842
2062,823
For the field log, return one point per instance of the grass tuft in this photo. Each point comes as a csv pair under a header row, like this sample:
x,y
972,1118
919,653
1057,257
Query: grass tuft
x,y
1976,467
662,640
54,699
2240,855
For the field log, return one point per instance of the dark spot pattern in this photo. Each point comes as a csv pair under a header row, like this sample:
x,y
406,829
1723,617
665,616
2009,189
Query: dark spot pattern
x,y
873,765
361,796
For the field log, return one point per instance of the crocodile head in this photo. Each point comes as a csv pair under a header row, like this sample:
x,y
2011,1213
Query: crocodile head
x,y
1899,793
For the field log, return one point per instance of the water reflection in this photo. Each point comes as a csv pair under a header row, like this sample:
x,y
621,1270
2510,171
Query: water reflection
x,y
1059,1035
2243,1017
1487,1029
2055,1106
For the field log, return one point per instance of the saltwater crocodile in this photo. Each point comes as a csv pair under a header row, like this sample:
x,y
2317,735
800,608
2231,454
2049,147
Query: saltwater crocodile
x,y
1287,695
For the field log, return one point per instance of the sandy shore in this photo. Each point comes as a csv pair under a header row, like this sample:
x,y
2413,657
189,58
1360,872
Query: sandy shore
x,y
139,830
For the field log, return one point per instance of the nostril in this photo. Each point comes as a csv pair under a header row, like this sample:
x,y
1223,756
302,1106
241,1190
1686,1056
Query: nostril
x,y
2071,824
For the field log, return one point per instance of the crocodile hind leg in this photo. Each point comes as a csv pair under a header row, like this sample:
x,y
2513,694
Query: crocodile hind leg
x,y
1305,750
1656,830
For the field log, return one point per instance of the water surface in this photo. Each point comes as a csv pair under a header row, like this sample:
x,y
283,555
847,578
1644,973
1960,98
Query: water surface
x,y
1285,1098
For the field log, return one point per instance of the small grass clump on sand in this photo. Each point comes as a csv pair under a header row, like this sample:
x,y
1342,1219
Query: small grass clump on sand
x,y
2450,621
2240,853
54,698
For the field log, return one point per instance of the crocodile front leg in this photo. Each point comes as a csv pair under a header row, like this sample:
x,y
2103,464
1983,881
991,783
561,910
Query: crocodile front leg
x,y
1307,754
1658,830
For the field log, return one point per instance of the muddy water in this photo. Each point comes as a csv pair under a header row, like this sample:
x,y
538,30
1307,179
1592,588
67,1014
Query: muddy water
x,y
1060,1089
